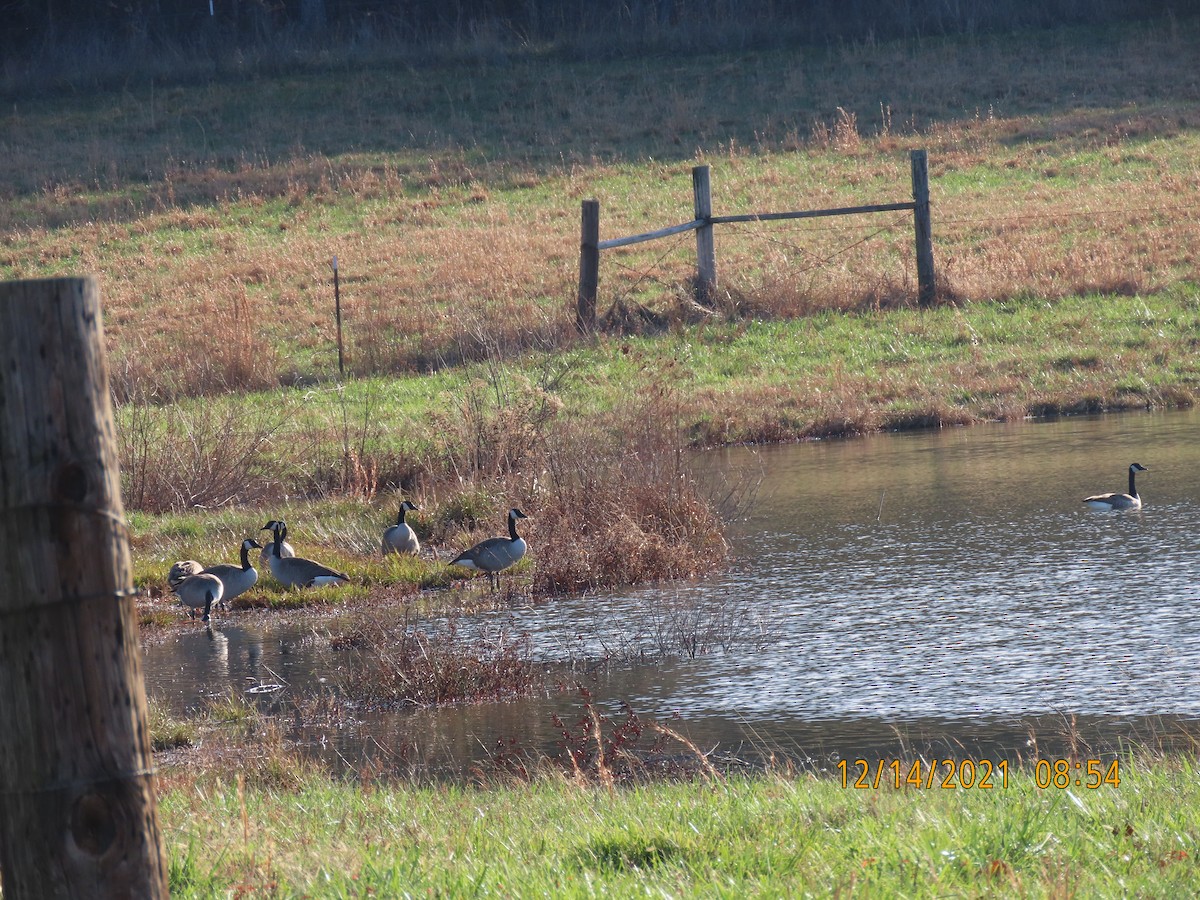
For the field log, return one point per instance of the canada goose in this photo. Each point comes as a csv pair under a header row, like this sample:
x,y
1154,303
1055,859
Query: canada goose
x,y
296,571
182,570
236,580
198,592
495,554
400,538
285,548
1119,501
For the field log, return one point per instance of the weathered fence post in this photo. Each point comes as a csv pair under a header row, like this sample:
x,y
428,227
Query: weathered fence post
x,y
706,254
589,266
926,280
77,806
337,311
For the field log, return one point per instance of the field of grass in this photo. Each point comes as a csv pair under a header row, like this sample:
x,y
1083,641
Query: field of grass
x,y
281,832
1064,188
1062,163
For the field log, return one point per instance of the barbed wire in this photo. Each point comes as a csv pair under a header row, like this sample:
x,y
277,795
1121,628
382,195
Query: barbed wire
x,y
756,229
822,261
648,274
1069,214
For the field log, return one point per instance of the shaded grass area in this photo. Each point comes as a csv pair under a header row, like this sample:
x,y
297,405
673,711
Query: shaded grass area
x,y
743,836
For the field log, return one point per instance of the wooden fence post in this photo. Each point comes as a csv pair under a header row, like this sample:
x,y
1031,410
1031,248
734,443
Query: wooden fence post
x,y
589,266
77,804
926,280
337,312
706,254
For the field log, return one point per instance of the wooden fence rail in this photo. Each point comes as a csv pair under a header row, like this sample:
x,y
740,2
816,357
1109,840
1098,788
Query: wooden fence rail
x,y
590,244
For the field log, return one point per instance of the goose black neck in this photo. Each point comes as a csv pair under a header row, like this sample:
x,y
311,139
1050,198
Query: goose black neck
x,y
277,544
1132,489
400,515
512,528
245,557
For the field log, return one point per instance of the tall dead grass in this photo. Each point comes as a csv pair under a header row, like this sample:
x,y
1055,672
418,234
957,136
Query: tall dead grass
x,y
612,501
400,664
621,506
175,458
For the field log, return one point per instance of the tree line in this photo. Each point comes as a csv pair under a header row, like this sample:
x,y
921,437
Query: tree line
x,y
32,26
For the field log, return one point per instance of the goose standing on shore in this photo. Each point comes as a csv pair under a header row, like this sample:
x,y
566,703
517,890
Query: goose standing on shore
x,y
236,580
285,549
296,571
182,570
198,592
1119,501
495,554
400,538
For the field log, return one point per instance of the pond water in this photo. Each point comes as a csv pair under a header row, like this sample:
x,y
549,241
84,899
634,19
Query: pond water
x,y
936,592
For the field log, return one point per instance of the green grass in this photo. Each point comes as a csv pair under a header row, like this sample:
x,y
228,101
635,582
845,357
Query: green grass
x,y
985,360
767,835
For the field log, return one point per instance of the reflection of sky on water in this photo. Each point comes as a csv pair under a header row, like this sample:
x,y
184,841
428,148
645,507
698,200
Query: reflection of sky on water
x,y
938,584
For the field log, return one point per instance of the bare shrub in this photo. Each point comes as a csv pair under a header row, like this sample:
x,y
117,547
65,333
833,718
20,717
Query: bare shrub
x,y
175,457
621,507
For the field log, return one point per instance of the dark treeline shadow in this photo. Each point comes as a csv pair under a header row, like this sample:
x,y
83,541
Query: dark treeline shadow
x,y
48,43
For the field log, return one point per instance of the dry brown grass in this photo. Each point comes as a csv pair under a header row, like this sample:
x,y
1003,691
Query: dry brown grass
x,y
400,663
610,499
212,227
621,509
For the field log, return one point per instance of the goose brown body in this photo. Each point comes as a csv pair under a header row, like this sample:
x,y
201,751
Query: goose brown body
x,y
1115,500
495,554
236,580
296,571
400,538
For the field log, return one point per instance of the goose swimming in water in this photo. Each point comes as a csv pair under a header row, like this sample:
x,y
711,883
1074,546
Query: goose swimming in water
x,y
495,554
1119,501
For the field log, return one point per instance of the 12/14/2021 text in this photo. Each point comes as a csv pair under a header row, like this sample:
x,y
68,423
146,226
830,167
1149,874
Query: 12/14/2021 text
x,y
983,774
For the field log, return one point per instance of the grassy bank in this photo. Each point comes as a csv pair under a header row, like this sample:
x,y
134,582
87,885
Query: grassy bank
x,y
742,836
602,427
